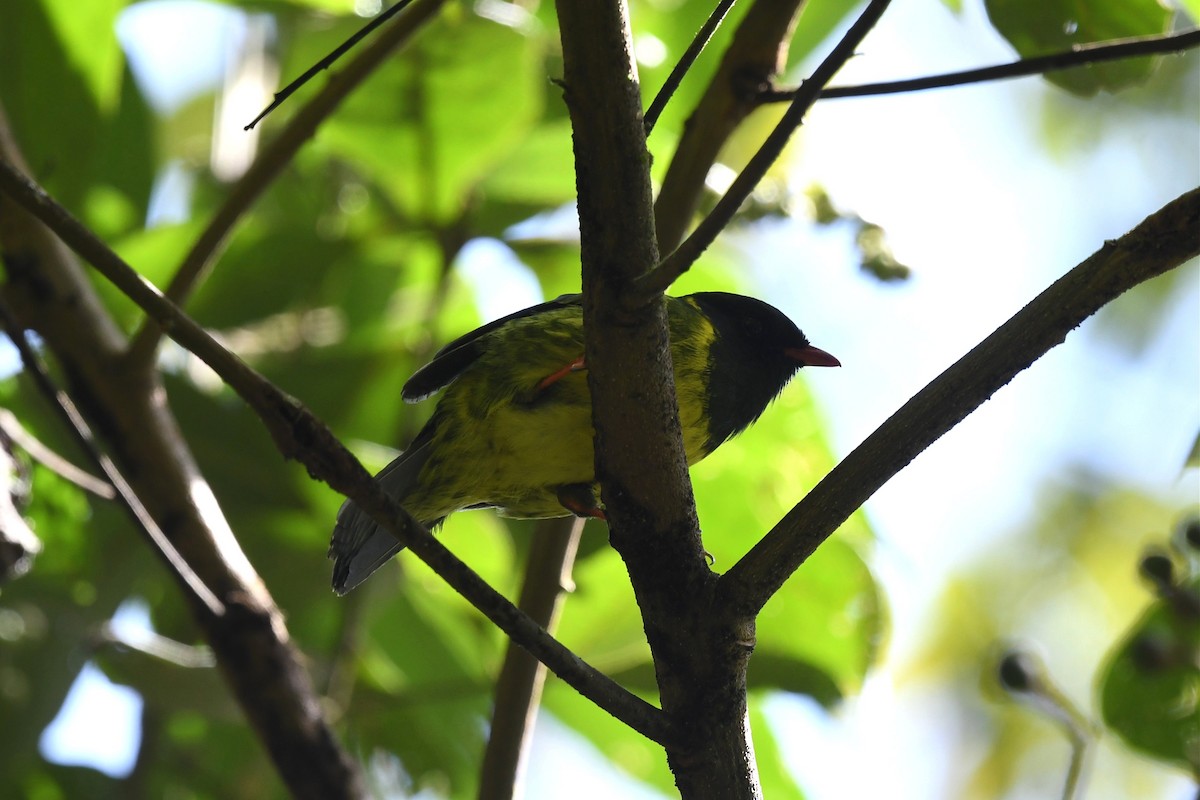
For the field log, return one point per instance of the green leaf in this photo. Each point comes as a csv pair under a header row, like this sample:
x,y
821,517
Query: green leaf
x,y
430,126
425,681
1150,687
818,19
630,752
769,670
60,57
600,620
96,59
777,780
828,619
541,170
1038,27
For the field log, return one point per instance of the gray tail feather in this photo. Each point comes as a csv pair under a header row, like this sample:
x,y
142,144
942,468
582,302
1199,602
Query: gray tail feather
x,y
359,546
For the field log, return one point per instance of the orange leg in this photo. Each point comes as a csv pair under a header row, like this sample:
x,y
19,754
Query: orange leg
x,y
577,365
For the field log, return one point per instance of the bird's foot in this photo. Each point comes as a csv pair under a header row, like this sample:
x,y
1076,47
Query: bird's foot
x,y
580,500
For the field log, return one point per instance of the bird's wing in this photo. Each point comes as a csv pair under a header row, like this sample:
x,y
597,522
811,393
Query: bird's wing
x,y
359,546
451,360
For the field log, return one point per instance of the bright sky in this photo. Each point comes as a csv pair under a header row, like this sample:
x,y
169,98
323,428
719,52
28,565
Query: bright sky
x,y
987,219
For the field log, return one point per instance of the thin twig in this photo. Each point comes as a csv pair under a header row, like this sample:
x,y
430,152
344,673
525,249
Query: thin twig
x,y
518,692
701,40
327,62
299,435
1079,55
75,423
39,452
1160,243
681,260
756,54
272,161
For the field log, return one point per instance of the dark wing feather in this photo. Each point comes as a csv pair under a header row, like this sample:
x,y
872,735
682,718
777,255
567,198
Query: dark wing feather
x,y
451,360
359,546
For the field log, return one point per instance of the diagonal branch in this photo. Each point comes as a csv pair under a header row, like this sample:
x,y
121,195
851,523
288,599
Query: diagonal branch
x,y
755,56
706,232
1080,55
274,159
189,582
1163,241
518,691
301,436
11,431
328,61
49,291
699,42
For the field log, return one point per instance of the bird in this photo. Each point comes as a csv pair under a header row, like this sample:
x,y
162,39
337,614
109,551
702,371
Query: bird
x,y
513,428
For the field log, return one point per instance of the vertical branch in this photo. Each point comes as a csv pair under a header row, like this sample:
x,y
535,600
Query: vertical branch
x,y
518,691
699,658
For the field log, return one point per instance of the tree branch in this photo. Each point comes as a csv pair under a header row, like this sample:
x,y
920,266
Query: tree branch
x,y
699,657
301,436
274,159
48,291
325,63
1079,55
699,42
188,581
755,56
707,231
11,427
518,691
1163,241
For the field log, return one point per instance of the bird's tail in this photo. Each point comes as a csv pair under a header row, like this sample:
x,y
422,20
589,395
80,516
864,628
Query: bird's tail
x,y
359,546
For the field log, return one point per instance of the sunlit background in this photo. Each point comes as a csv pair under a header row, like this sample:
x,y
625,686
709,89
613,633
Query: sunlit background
x,y
988,193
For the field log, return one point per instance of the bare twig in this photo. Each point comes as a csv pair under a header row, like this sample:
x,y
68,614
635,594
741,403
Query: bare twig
x,y
12,427
756,54
518,692
274,159
1160,243
187,578
706,232
1080,55
327,62
300,435
699,42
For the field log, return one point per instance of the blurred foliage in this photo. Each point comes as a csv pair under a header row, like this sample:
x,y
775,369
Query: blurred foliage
x,y
1067,592
337,285
1150,686
1038,27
